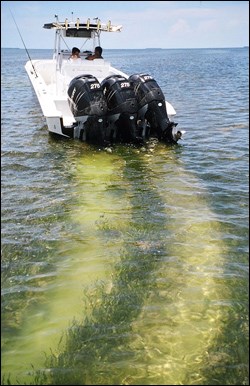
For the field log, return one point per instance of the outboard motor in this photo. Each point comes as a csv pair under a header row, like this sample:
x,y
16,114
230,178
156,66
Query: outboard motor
x,y
152,108
88,105
122,109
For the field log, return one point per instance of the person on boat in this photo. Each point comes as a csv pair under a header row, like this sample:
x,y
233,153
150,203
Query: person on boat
x,y
97,54
75,54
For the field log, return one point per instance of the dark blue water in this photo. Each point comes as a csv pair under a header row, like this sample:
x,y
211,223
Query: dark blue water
x,y
129,267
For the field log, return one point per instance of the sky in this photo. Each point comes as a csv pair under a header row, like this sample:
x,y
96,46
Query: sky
x,y
146,24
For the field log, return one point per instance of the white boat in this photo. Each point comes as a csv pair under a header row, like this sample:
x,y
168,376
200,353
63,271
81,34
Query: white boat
x,y
92,101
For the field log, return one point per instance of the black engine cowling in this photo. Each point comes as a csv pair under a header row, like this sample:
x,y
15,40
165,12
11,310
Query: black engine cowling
x,y
122,108
85,97
88,105
152,106
119,94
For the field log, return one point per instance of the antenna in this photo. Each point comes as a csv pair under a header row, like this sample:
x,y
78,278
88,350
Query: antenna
x,y
23,43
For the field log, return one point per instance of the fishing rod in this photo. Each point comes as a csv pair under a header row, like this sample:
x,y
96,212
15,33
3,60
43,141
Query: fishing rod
x,y
23,43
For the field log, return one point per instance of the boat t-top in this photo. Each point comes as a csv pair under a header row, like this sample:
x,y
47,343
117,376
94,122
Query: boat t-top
x,y
92,101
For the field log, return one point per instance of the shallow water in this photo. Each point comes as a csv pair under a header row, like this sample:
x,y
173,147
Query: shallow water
x,y
129,266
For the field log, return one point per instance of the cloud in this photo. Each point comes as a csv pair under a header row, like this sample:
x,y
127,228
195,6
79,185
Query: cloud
x,y
180,28
165,24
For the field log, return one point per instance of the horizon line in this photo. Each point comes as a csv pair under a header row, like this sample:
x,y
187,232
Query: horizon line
x,y
146,48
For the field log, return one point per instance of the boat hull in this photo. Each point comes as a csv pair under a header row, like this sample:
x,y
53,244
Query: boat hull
x,y
53,85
